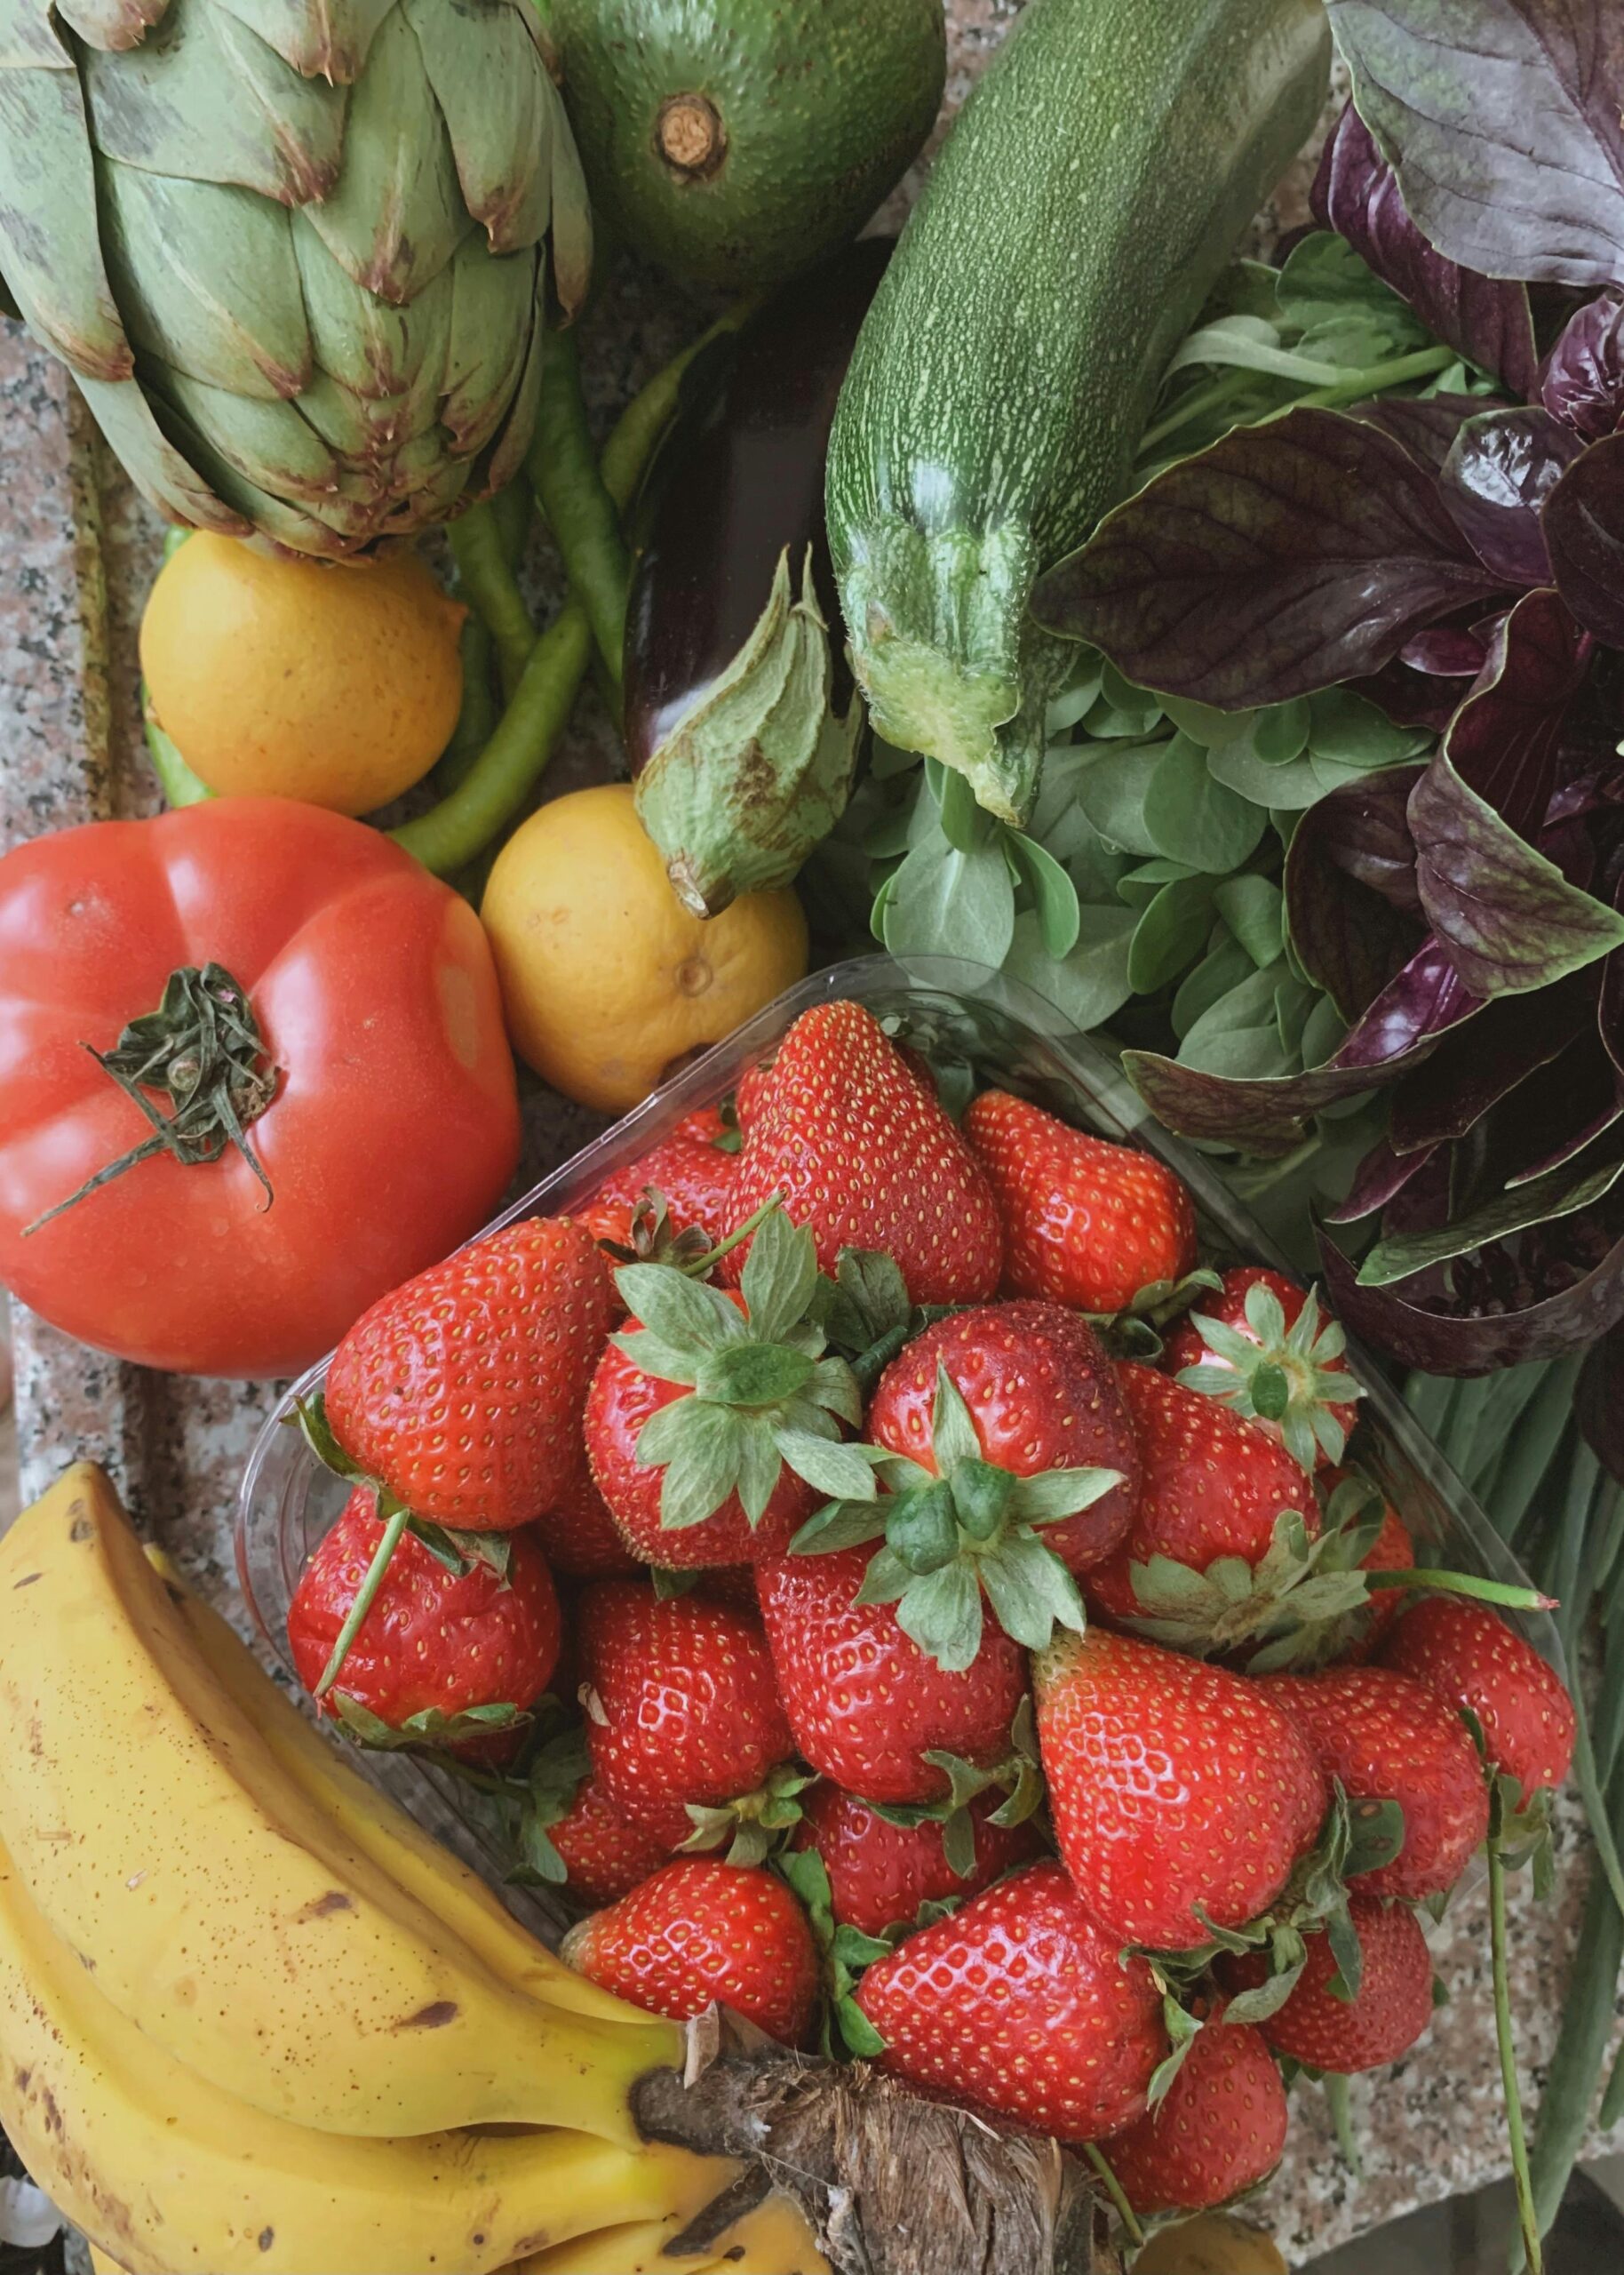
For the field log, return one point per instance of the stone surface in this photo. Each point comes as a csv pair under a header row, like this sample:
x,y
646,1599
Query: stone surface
x,y
78,555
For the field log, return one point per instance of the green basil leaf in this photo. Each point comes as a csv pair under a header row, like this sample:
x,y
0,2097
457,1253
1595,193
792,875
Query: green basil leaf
x,y
1194,818
1090,985
1171,932
1254,909
1111,790
1280,732
1059,917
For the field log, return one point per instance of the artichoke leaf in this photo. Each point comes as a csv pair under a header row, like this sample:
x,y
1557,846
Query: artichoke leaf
x,y
208,280
758,770
397,216
320,39
49,248
435,496
499,104
331,527
274,446
498,466
165,476
205,99
571,222
491,336
113,25
369,347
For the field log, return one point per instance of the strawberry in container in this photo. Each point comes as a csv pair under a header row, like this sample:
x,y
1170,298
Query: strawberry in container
x,y
986,1576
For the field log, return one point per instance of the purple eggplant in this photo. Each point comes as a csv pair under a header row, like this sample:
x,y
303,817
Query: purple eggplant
x,y
740,722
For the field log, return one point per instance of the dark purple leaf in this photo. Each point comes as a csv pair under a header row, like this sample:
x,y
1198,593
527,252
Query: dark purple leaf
x,y
1409,698
1562,1193
1584,530
1355,193
1350,898
1422,1003
1426,425
1505,740
1610,1016
1499,1328
1475,1069
1600,1401
1380,1179
1581,381
1502,119
1582,1100
1270,1115
1283,559
1447,651
1501,467
1507,918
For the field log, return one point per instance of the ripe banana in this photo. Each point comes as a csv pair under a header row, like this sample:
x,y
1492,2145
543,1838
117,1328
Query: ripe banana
x,y
774,2239
236,1921
360,1816
164,2172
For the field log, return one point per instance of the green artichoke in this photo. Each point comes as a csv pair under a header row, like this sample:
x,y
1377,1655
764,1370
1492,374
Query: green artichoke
x,y
294,250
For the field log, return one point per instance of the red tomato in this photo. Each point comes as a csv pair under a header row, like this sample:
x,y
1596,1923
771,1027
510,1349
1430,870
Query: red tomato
x,y
393,1124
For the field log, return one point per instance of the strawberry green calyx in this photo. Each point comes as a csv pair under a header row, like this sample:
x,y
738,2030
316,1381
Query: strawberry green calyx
x,y
755,1824
1293,1376
1019,1776
1140,1331
458,1552
845,1951
764,1390
430,1731
970,1528
536,1798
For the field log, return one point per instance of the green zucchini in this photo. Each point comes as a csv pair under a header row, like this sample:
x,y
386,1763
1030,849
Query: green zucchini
x,y
1093,186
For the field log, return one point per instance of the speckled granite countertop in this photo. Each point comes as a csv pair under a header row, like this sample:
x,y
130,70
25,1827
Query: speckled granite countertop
x,y
76,554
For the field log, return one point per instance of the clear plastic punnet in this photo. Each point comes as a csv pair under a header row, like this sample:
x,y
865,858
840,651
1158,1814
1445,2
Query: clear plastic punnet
x,y
962,1016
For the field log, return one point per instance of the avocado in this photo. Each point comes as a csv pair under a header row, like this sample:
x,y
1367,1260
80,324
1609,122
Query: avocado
x,y
737,142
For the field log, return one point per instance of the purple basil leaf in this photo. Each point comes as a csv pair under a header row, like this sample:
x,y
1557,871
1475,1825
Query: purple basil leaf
x,y
1283,559
1269,1115
1593,1103
1523,1324
1502,120
1409,698
1426,425
1355,193
1563,1193
1351,896
1600,1401
1584,530
1507,918
1501,467
1506,739
1472,1070
1447,651
1380,1179
1424,1002
1581,381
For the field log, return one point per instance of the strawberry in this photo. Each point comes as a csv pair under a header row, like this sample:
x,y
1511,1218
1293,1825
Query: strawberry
x,y
1212,1486
682,1715
1020,2004
713,1125
865,1703
437,1660
992,1418
1386,1738
604,1854
1391,1551
881,1874
1219,2129
461,1393
578,1533
695,1176
1469,1658
1086,1223
752,1089
1181,1796
699,1930
1259,1348
864,1153
714,1423
1392,2008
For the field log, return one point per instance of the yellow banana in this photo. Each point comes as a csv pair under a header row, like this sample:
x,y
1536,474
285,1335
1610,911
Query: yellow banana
x,y
774,2239
166,2173
394,1840
225,1912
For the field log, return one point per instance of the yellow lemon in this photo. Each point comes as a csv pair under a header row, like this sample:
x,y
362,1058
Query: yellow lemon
x,y
1212,2245
610,983
339,683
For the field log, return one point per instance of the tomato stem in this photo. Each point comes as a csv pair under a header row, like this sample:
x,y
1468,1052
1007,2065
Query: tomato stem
x,y
202,1052
365,1597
